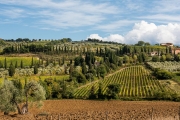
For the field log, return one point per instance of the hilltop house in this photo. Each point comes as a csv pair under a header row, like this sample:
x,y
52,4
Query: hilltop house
x,y
176,50
167,44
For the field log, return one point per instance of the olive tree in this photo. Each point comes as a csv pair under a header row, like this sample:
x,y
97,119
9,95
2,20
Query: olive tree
x,y
8,97
12,96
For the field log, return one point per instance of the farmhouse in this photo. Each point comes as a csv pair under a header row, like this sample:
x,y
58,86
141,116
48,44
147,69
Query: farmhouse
x,y
154,53
167,44
176,50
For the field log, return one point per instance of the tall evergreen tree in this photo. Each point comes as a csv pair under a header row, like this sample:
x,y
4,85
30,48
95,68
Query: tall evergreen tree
x,y
47,62
84,69
63,60
100,92
22,65
59,61
11,70
16,64
5,63
32,62
36,69
92,94
1,64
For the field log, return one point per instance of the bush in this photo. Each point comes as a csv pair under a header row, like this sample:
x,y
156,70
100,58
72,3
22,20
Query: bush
x,y
162,74
166,95
112,91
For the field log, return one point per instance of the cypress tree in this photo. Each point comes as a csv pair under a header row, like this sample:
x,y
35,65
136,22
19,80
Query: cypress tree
x,y
35,69
167,50
59,61
16,65
22,65
1,64
97,51
11,70
5,63
47,62
32,62
54,62
63,60
100,93
92,94
84,69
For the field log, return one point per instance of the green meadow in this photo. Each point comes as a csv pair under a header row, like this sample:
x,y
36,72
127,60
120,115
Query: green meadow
x,y
26,60
37,78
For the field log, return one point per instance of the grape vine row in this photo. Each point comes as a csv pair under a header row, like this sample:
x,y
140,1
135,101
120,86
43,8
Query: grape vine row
x,y
135,81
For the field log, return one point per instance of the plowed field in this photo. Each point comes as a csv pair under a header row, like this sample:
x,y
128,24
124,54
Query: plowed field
x,y
101,110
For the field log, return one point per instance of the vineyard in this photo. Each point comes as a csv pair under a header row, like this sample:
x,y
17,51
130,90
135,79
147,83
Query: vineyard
x,y
134,81
169,66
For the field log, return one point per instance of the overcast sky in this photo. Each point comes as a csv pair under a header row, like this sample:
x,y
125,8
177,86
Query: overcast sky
x,y
124,21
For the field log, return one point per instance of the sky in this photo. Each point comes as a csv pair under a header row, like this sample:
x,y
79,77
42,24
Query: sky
x,y
122,21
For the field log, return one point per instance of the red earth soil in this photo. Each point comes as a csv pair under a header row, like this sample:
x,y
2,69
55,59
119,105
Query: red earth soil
x,y
100,110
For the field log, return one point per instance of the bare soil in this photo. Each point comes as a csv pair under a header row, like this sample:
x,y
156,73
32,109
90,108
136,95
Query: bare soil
x,y
100,110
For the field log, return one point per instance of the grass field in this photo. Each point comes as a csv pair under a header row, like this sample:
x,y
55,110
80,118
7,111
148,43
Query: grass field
x,y
26,60
37,78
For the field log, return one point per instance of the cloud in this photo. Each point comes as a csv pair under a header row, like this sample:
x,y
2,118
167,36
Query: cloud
x,y
8,21
62,14
12,12
162,18
115,25
95,36
166,6
148,32
114,37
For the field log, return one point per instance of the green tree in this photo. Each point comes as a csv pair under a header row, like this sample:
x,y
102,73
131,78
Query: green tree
x,y
11,70
155,58
36,69
78,61
92,94
1,64
168,57
100,92
84,69
177,58
22,65
162,74
32,62
59,61
163,58
126,59
147,44
34,92
16,64
101,70
135,58
11,97
5,63
113,91
140,43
